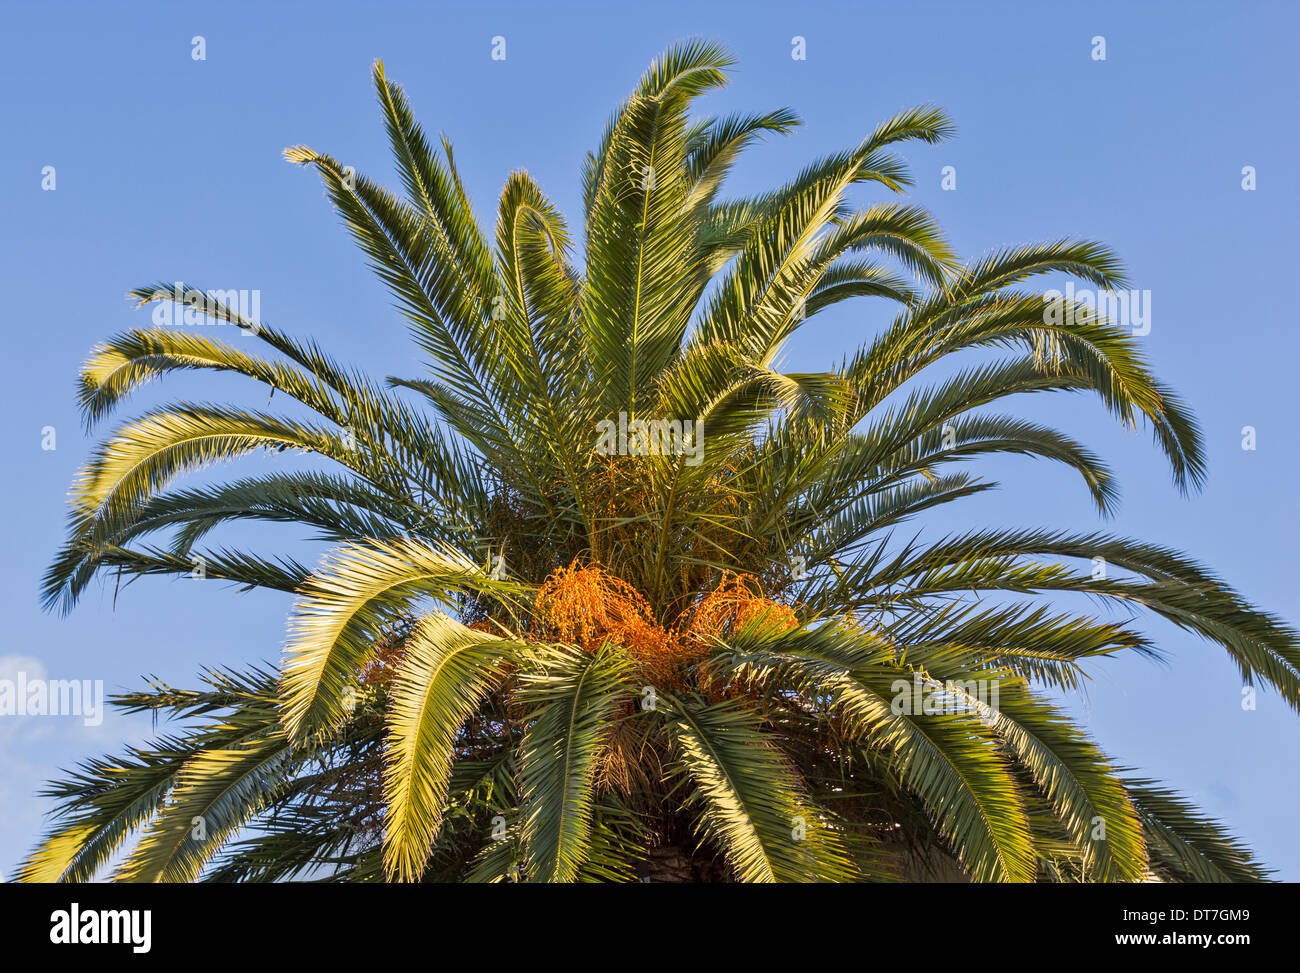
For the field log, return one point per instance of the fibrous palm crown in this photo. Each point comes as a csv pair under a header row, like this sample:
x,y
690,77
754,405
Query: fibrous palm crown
x,y
544,649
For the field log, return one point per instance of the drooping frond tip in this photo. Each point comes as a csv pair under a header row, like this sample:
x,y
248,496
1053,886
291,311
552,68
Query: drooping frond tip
x,y
300,155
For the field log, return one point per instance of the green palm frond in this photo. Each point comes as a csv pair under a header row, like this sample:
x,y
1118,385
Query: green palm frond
x,y
751,806
575,696
1185,844
215,792
446,672
949,760
360,589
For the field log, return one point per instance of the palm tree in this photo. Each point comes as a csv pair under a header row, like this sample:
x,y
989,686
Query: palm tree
x,y
624,599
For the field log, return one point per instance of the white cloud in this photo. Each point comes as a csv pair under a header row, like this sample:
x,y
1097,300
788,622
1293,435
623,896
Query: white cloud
x,y
14,666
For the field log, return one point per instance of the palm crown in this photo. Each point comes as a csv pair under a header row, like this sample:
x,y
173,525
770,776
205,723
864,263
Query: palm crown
x,y
622,596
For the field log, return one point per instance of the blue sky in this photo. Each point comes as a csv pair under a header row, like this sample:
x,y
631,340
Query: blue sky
x,y
169,168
